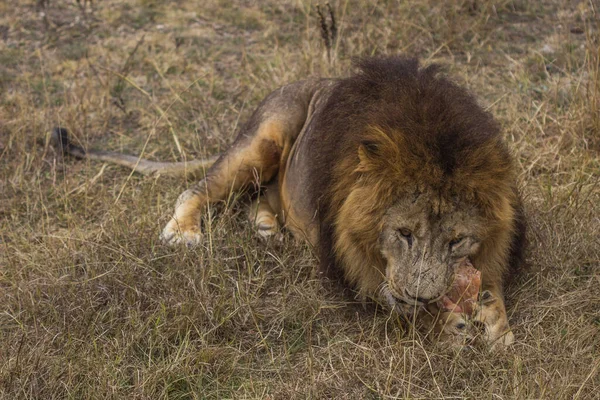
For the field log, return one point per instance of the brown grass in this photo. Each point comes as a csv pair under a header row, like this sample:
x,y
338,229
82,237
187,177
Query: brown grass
x,y
94,307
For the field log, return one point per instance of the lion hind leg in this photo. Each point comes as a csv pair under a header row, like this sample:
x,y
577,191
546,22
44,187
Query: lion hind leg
x,y
254,158
259,150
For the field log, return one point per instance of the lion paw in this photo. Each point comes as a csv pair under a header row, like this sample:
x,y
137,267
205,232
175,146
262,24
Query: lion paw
x,y
497,336
264,219
174,234
491,319
266,230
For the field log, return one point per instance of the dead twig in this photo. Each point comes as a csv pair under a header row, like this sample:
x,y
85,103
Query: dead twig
x,y
329,30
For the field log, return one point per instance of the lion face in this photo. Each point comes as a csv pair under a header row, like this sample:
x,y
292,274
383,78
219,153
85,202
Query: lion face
x,y
423,239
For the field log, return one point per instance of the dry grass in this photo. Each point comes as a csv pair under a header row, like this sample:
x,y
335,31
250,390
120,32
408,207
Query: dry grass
x,y
94,307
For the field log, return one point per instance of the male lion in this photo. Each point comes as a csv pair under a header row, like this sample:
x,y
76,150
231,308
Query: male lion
x,y
395,175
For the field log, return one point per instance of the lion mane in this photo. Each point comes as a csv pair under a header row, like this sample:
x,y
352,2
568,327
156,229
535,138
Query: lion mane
x,y
394,129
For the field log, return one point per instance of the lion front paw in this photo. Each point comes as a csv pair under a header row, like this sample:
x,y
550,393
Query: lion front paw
x,y
496,335
177,233
493,322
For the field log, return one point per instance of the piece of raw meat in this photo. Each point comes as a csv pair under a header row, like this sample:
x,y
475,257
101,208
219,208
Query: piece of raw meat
x,y
462,296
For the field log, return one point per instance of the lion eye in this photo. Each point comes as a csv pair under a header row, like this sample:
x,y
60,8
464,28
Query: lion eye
x,y
454,242
407,235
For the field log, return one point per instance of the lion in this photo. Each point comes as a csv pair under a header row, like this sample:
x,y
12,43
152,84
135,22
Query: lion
x,y
395,175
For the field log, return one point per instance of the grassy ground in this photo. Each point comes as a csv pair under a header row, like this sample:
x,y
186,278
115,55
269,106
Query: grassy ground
x,y
92,306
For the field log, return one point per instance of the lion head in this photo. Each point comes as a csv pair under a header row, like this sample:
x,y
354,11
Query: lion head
x,y
422,247
420,180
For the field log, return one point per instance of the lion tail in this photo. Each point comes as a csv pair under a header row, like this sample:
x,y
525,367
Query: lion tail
x,y
60,140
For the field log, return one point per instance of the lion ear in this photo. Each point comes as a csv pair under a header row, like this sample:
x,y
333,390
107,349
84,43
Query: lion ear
x,y
368,152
